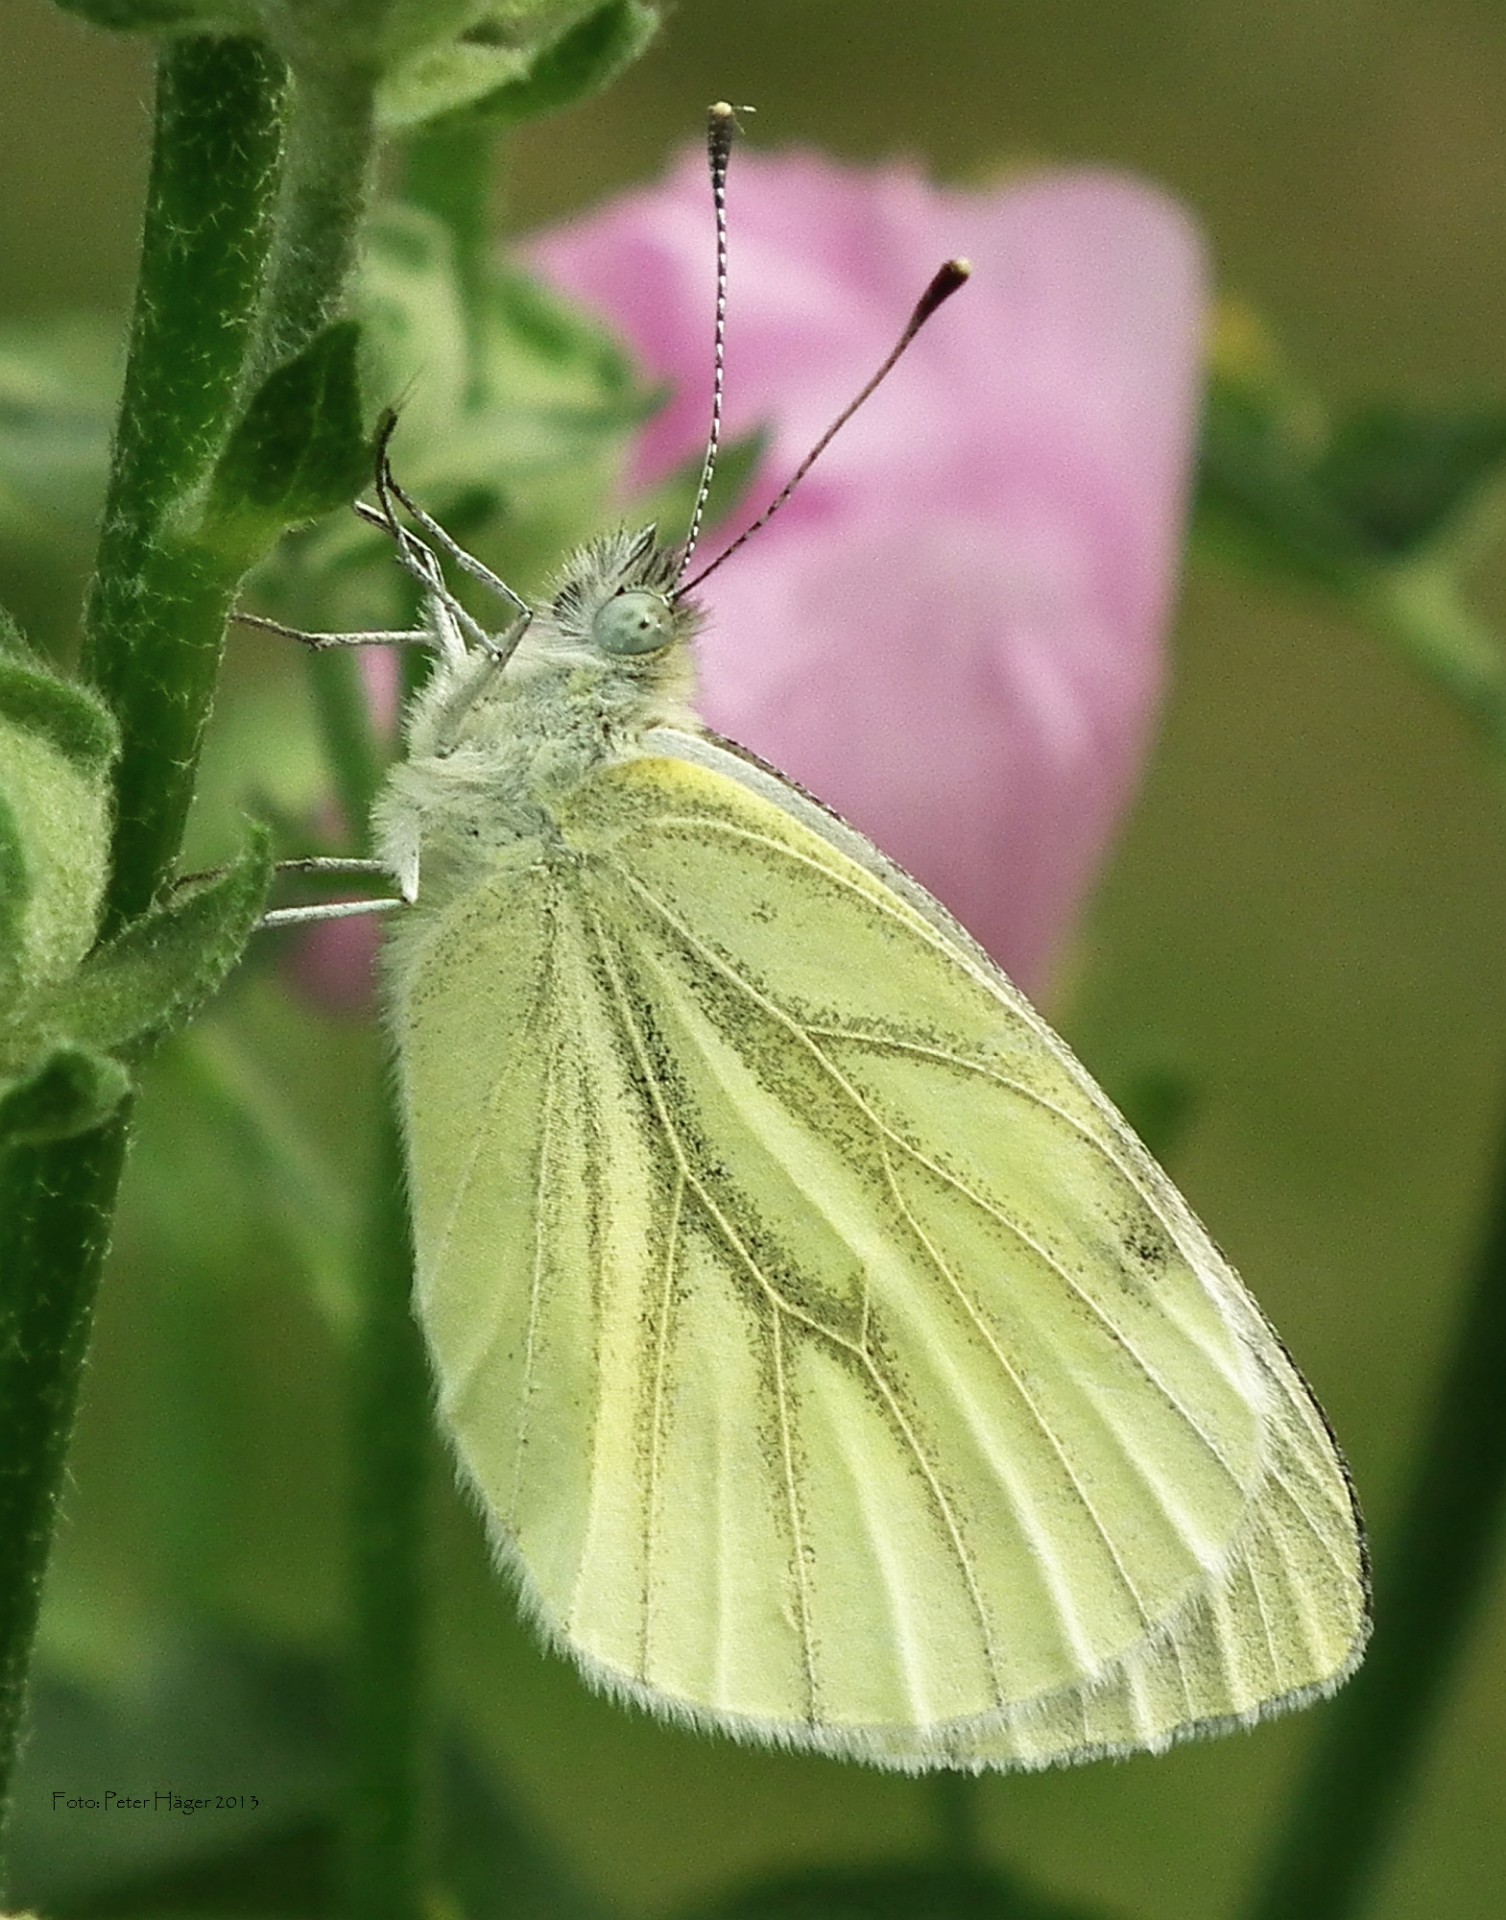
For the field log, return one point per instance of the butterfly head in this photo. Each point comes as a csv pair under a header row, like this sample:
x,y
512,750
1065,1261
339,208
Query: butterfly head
x,y
637,620
617,598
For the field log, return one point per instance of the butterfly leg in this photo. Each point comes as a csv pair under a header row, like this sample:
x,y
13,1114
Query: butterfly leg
x,y
328,910
333,909
323,642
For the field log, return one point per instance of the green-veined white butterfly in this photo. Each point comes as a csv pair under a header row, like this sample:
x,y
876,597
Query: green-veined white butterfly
x,y
833,1366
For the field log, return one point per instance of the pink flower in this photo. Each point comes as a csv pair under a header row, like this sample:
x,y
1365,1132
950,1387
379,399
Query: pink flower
x,y
952,634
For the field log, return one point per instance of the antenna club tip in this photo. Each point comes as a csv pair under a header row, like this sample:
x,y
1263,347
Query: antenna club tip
x,y
948,277
722,119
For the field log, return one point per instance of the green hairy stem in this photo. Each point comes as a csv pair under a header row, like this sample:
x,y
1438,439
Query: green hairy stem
x,y
253,205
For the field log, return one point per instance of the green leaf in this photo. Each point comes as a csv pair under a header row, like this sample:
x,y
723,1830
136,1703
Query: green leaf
x,y
522,316
144,16
299,449
485,73
72,720
1405,476
516,411
508,359
414,313
15,896
1258,498
582,62
1285,488
65,1092
56,747
154,975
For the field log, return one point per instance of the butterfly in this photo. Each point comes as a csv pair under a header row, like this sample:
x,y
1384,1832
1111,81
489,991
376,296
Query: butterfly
x,y
832,1365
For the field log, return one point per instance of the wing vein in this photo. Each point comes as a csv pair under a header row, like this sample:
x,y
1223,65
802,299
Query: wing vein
x,y
1277,1665
887,1043
949,1519
1298,1593
656,1416
784,1311
1030,1525
779,1308
1319,1532
464,1376
797,1531
887,1133
698,826
535,1282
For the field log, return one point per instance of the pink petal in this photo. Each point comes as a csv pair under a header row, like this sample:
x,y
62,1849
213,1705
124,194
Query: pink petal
x,y
953,633
975,724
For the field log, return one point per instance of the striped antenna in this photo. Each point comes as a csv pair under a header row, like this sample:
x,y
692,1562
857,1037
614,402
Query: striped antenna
x,y
944,283
721,124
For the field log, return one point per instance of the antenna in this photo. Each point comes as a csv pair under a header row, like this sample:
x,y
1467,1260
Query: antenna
x,y
721,124
947,278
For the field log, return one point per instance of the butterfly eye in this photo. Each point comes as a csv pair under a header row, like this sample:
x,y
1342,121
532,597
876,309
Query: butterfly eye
x,y
634,622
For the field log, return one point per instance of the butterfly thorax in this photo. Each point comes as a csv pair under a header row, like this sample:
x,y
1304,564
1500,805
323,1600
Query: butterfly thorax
x,y
493,750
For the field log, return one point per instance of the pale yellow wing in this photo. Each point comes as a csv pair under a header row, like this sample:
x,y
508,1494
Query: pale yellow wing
x,y
831,1361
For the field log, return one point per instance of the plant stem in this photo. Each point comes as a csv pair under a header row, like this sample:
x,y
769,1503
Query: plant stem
x,y
954,1796
326,178
390,1457
154,623
1430,1577
1420,607
154,627
391,1444
55,1203
149,647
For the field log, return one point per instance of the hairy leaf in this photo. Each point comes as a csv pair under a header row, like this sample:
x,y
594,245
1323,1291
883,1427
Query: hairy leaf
x,y
298,450
155,975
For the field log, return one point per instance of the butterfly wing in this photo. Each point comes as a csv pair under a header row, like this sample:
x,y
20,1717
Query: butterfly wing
x,y
833,1363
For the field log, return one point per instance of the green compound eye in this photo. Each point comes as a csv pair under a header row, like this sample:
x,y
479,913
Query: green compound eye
x,y
634,622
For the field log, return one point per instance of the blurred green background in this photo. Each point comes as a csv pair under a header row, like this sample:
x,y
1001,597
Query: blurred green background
x,y
1307,909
